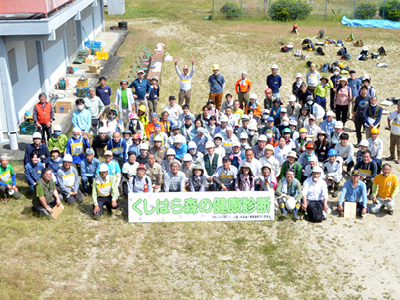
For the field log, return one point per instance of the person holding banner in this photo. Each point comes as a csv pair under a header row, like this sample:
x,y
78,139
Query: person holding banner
x,y
154,171
105,192
198,182
174,180
225,175
245,181
289,192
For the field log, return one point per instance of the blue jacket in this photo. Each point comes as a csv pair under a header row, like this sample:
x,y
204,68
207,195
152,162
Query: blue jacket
x,y
115,148
358,194
216,83
201,142
82,120
328,127
33,172
79,150
104,94
274,82
355,85
43,152
181,151
335,81
55,166
135,149
89,169
141,88
154,93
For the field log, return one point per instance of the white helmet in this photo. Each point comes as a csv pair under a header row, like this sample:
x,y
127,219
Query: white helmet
x,y
36,135
144,146
158,138
252,127
274,66
103,168
187,157
291,203
317,169
68,158
191,145
170,151
244,135
364,143
76,129
218,135
103,130
223,119
253,96
210,144
292,98
57,127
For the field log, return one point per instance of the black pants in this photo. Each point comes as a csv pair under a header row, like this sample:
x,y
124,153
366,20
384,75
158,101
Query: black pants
x,y
41,211
107,201
349,166
44,130
358,123
341,113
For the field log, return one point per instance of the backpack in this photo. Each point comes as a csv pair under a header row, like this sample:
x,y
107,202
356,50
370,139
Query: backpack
x,y
374,55
345,56
314,211
321,34
325,68
320,51
285,49
382,51
351,38
342,51
309,63
358,43
306,41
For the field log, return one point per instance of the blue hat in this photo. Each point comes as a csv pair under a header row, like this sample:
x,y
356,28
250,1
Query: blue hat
x,y
157,125
174,127
278,100
270,119
154,115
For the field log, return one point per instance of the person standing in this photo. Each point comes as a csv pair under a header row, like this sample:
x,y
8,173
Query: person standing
x,y
103,91
359,111
242,88
312,77
174,110
96,108
124,102
37,146
82,118
216,81
142,90
342,100
185,91
335,80
274,82
154,95
373,116
355,85
43,116
394,127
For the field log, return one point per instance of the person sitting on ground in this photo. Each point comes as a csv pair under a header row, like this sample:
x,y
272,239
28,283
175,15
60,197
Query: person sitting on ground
x,y
58,140
253,136
88,169
105,192
335,135
82,118
154,171
174,180
289,191
68,182
169,156
196,155
267,179
197,182
281,151
37,146
45,195
287,133
328,125
187,129
363,147
187,168
158,150
211,161
223,124
157,133
333,168
113,167
135,126
291,164
229,139
368,169
259,148
387,186
322,146
117,146
270,138
8,182
33,169
100,142
304,158
301,141
237,155
225,175
76,145
345,150
255,164
270,159
180,147
142,116
143,157
293,108
245,180
254,105
136,143
308,169
55,163
375,145
244,145
312,128
315,193
354,190
140,183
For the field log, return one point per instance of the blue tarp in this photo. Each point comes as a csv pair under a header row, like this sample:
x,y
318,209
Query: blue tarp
x,y
371,23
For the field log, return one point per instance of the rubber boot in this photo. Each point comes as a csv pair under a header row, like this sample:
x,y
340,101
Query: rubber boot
x,y
335,189
295,212
283,210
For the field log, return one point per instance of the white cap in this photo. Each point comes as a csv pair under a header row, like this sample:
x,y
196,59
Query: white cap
x,y
37,135
330,114
293,122
292,98
210,144
274,66
253,96
252,127
68,158
262,138
57,127
244,135
313,158
223,119
245,118
144,146
218,135
229,128
103,168
317,169
187,157
191,145
236,144
266,111
364,143
284,110
339,125
103,130
299,75
157,139
170,151
244,72
76,129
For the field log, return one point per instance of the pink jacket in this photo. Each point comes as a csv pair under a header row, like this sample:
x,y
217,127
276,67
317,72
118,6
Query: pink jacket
x,y
343,96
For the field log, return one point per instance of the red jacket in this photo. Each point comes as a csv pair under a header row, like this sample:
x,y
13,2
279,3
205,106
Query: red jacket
x,y
43,114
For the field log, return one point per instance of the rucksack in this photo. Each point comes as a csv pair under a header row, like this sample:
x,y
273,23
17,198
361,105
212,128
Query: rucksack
x,y
309,63
321,34
314,211
325,68
320,51
306,41
358,43
342,51
374,55
382,51
351,38
345,56
285,49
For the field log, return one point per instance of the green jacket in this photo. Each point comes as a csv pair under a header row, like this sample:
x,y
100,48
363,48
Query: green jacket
x,y
298,170
60,143
323,91
43,189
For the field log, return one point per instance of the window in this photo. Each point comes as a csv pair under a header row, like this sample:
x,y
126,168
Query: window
x,y
12,62
31,54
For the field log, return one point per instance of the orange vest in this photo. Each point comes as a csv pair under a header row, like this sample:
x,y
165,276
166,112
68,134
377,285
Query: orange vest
x,y
43,115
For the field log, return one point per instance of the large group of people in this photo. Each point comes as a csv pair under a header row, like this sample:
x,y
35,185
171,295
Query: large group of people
x,y
243,143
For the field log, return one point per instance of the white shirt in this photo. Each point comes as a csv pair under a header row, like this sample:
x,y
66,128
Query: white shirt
x,y
376,147
346,153
220,151
219,163
394,117
185,80
255,166
273,162
281,154
315,191
174,112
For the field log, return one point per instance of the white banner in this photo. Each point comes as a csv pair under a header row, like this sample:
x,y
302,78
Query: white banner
x,y
196,206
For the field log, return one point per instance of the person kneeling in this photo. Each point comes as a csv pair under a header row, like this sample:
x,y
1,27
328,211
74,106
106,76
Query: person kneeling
x,y
7,181
105,192
68,181
45,195
140,183
290,194
333,168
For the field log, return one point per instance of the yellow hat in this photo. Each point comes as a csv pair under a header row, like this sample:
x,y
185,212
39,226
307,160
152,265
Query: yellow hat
x,y
215,67
303,130
142,108
374,130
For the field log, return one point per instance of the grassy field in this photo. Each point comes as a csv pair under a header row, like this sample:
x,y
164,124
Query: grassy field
x,y
77,257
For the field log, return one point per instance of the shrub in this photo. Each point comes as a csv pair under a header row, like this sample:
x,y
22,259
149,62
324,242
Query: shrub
x,y
365,11
230,10
390,11
289,10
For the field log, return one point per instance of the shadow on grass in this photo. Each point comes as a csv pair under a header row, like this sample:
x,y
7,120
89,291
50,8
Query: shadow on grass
x,y
27,211
86,209
123,206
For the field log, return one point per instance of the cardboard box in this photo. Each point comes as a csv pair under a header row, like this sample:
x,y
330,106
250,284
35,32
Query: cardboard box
x,y
62,107
94,69
90,59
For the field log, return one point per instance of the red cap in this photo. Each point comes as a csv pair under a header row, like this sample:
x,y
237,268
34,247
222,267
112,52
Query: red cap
x,y
268,91
142,166
310,145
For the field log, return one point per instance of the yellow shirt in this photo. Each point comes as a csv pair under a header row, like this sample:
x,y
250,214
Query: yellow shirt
x,y
386,185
